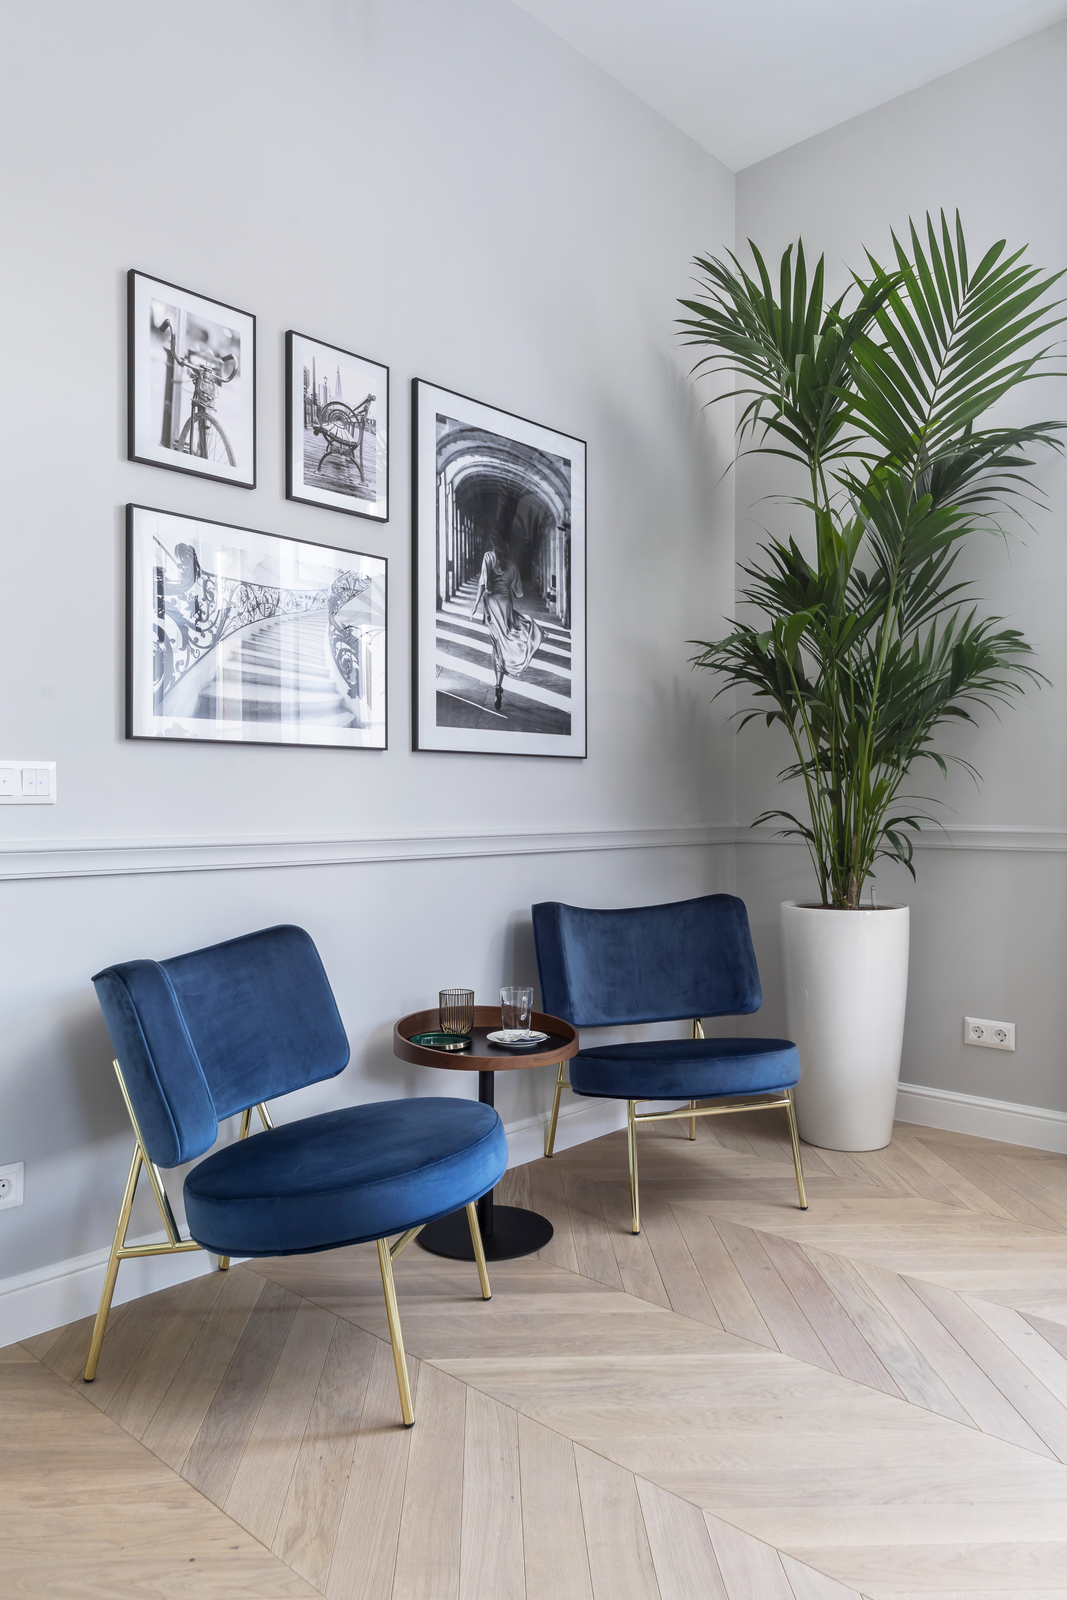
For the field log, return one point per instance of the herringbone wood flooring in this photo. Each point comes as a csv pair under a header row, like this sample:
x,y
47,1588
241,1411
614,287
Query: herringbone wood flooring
x,y
746,1402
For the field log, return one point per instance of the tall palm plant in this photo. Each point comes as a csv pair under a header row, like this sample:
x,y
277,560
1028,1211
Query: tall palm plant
x,y
871,644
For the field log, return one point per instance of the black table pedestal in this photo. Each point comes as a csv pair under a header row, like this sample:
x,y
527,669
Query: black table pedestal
x,y
507,1231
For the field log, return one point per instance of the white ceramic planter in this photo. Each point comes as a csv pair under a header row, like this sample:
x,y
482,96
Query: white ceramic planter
x,y
846,985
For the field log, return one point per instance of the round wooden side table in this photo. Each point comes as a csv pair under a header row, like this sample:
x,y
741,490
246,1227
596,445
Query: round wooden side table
x,y
507,1231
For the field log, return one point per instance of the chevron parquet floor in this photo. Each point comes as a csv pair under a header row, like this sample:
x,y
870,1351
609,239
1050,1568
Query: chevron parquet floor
x,y
747,1402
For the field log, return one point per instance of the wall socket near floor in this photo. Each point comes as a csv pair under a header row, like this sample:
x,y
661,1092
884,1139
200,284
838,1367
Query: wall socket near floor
x,y
11,1185
27,783
990,1035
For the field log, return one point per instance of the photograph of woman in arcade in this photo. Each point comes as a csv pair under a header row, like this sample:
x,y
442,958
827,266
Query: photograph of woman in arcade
x,y
516,638
499,581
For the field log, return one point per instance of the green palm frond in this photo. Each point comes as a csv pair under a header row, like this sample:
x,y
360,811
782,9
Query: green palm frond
x,y
791,355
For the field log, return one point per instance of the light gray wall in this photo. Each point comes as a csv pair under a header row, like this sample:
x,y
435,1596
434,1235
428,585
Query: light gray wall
x,y
446,187
987,926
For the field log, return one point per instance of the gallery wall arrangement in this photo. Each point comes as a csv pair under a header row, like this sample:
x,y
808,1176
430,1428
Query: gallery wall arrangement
x,y
243,636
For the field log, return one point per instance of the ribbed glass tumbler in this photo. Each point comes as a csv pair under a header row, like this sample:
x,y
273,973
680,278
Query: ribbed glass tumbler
x,y
456,1011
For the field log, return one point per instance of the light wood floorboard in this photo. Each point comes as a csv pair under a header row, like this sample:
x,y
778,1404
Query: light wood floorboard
x,y
307,1529
619,1556
491,1557
553,1527
364,1554
680,1545
431,1519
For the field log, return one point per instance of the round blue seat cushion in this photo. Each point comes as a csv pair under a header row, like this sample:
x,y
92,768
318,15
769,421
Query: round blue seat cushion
x,y
685,1069
359,1173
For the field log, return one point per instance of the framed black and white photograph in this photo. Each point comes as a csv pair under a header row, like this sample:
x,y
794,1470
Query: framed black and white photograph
x,y
192,383
251,638
499,580
336,428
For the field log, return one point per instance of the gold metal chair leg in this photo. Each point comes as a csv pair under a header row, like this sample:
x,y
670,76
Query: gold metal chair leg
x,y
698,1033
631,1151
550,1136
246,1123
100,1325
479,1251
396,1336
795,1137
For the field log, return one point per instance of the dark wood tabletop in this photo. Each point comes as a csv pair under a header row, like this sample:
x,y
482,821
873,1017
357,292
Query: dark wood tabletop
x,y
561,1044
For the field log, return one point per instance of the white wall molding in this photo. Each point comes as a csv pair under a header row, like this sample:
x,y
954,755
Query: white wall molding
x,y
96,858
957,836
125,857
65,1291
1003,1120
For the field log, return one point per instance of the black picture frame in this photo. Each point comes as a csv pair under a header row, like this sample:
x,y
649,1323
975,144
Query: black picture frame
x,y
346,470
512,678
182,413
313,648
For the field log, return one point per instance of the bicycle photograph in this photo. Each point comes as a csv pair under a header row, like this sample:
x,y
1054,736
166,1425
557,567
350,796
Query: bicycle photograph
x,y
192,382
201,433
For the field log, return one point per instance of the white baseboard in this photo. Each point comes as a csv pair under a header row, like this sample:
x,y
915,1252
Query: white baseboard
x,y
577,1125
1003,1120
65,1291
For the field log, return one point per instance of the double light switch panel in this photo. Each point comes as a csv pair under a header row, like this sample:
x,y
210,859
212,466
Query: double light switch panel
x,y
27,783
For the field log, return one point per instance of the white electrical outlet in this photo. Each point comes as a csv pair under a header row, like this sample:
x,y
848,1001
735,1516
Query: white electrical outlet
x,y
11,1185
990,1035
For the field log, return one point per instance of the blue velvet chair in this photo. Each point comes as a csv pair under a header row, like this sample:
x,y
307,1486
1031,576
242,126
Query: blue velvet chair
x,y
219,1031
687,960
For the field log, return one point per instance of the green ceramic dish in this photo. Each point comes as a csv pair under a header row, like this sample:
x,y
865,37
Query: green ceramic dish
x,y
441,1041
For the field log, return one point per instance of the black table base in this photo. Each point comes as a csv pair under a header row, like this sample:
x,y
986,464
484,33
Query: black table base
x,y
507,1231
516,1232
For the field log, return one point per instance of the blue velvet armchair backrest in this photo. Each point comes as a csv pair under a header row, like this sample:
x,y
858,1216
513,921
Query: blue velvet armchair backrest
x,y
692,958
204,1035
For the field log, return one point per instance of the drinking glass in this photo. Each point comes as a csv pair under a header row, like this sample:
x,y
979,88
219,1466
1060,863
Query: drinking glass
x,y
516,1005
456,1010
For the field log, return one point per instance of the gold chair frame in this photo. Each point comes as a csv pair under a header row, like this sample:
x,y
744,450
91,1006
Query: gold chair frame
x,y
176,1245
781,1099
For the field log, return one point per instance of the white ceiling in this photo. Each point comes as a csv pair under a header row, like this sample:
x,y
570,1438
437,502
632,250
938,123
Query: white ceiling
x,y
746,78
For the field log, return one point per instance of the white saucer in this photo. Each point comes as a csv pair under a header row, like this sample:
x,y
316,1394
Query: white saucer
x,y
516,1040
